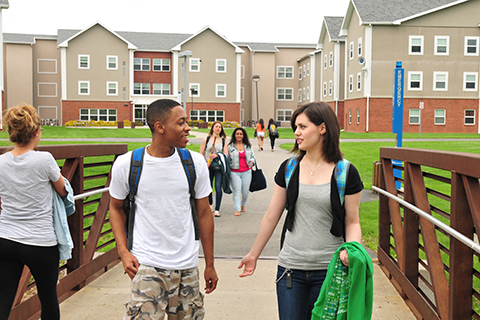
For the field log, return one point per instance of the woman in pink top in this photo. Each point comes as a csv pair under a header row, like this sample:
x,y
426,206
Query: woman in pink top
x,y
242,159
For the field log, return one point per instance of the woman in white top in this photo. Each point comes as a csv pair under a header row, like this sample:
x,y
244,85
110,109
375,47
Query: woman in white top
x,y
211,146
26,220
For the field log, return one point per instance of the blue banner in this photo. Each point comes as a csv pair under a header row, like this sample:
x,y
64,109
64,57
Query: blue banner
x,y
397,114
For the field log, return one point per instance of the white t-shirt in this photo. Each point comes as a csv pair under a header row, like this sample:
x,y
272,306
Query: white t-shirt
x,y
163,234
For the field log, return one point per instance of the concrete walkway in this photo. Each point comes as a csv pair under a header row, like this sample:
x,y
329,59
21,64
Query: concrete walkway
x,y
235,298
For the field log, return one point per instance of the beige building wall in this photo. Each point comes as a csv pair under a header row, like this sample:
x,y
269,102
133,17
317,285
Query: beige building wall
x,y
246,84
208,47
18,74
264,65
98,43
47,79
319,75
356,35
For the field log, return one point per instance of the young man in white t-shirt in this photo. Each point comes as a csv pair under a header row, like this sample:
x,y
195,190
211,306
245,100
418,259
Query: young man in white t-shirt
x,y
163,262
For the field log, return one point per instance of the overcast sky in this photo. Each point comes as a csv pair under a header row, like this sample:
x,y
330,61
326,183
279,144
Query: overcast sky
x,y
239,21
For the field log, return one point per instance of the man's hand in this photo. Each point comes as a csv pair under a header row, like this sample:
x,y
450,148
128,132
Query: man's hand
x,y
130,264
211,279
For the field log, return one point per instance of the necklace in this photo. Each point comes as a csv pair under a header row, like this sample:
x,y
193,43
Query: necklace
x,y
312,172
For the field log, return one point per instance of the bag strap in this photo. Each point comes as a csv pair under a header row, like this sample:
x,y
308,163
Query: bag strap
x,y
189,167
136,165
341,172
291,165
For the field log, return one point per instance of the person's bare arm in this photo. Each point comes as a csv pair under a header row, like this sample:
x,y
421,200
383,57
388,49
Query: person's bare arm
x,y
59,186
353,232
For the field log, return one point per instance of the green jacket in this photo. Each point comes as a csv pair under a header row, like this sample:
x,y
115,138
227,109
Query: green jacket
x,y
347,292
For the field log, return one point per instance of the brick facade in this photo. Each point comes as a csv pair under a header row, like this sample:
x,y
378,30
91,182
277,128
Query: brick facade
x,y
153,76
71,109
232,110
340,111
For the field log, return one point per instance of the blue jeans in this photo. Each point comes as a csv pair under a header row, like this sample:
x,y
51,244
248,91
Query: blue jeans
x,y
297,302
217,175
240,187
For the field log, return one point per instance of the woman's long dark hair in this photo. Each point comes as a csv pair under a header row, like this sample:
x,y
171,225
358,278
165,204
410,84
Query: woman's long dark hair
x,y
245,140
261,123
318,113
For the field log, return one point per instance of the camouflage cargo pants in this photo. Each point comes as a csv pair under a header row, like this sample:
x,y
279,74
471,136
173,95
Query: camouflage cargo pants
x,y
156,292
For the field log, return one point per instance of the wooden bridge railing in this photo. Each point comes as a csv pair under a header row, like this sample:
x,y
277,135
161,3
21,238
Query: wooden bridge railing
x,y
436,274
87,167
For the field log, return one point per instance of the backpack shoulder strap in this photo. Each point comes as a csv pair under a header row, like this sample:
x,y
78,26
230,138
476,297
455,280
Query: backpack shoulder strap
x,y
292,163
136,165
206,142
189,167
341,172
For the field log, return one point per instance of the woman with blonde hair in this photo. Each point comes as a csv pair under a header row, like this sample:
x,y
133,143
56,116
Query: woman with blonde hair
x,y
27,234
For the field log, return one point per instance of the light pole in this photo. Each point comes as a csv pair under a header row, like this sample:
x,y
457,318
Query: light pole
x,y
192,93
184,55
256,78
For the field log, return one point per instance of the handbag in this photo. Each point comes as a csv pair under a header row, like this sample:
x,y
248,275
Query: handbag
x,y
258,180
255,133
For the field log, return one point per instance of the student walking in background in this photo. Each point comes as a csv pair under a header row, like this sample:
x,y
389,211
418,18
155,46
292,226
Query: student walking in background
x,y
27,235
272,132
242,159
318,221
211,146
260,133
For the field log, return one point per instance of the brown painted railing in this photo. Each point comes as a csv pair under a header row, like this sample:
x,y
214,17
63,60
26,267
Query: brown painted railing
x,y
87,167
436,274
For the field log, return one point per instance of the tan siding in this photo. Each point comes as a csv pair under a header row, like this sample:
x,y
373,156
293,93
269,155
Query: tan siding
x,y
18,74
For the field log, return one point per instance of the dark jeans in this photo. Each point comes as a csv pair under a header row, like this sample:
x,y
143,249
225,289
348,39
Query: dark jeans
x,y
297,302
217,174
42,262
272,142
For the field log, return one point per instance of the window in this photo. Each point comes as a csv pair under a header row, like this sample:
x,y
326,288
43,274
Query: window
x,y
112,62
112,88
469,117
162,89
196,90
141,64
440,81
324,89
471,46
359,81
284,72
141,88
284,114
331,59
285,94
349,116
359,47
325,62
330,88
242,93
308,93
358,116
207,115
439,116
308,69
161,64
221,65
242,71
194,65
350,52
299,95
470,81
304,71
441,45
415,80
414,116
416,45
300,73
83,61
98,114
220,90
350,83
84,88
303,93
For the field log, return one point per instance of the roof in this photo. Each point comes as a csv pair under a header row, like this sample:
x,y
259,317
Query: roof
x,y
4,4
395,12
273,47
149,41
25,38
179,45
334,25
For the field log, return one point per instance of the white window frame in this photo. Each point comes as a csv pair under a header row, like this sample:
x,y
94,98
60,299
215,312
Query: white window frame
x,y
410,38
325,89
308,93
444,117
325,62
299,95
217,90
359,47
242,71
465,117
330,88
435,81
359,81
161,64
467,46
330,58
197,85
300,73
414,114
116,88
308,69
207,115
196,64
447,50
465,75
349,116
303,93
218,66
410,73
109,114
304,71
46,83
142,64
358,115
116,63
80,56
284,115
284,90
242,93
350,83
43,72
162,88
283,70
351,50
80,82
